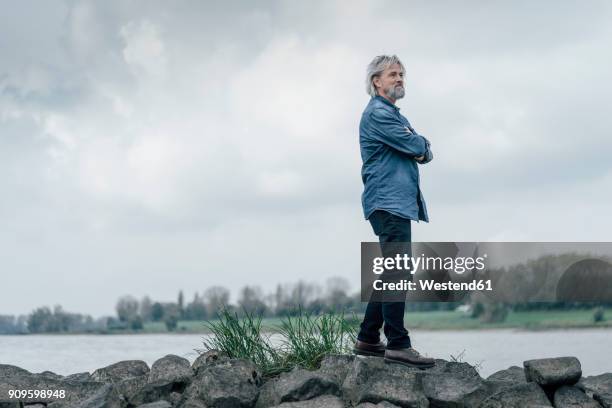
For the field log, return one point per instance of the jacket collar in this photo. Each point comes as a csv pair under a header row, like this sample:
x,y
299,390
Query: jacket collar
x,y
385,100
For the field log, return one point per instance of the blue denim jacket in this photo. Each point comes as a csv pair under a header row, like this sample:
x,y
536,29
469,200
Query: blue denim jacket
x,y
389,146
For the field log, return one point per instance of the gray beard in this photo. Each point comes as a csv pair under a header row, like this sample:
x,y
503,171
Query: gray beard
x,y
396,92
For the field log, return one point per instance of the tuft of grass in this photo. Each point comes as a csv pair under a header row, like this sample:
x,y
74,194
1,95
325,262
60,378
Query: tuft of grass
x,y
305,339
242,338
308,338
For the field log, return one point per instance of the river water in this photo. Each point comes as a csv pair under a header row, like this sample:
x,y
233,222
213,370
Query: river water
x,y
490,350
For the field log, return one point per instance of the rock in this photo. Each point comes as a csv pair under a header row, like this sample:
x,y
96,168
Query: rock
x,y
132,390
105,397
7,371
337,366
78,377
451,367
358,373
599,387
231,383
297,385
454,390
383,404
171,369
12,377
573,397
604,399
324,401
157,404
514,374
51,374
553,371
122,370
209,357
401,390
518,396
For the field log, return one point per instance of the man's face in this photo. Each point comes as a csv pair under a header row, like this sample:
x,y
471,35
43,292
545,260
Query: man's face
x,y
391,82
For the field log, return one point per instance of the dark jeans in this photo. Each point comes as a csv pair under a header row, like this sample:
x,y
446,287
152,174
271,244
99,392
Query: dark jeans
x,y
388,228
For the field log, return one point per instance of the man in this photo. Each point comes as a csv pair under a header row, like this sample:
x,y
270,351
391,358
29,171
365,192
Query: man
x,y
390,150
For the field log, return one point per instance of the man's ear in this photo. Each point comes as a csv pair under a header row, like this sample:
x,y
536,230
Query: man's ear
x,y
376,82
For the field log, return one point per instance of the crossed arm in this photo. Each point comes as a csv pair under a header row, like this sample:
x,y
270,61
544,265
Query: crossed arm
x,y
391,131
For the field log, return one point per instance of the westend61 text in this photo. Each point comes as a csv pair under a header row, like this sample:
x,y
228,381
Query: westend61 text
x,y
404,284
408,263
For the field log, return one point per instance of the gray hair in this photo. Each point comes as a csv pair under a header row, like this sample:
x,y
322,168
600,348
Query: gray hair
x,y
376,68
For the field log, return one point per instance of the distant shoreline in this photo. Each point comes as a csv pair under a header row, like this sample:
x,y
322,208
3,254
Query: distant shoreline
x,y
535,320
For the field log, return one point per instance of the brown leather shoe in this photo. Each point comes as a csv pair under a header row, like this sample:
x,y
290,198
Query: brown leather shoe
x,y
409,357
366,349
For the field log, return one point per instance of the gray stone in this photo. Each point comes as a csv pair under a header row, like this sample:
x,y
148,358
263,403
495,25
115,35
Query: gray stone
x,y
105,397
207,358
7,371
599,387
157,404
12,377
122,370
383,404
454,390
358,374
604,399
228,384
401,390
78,377
573,397
553,371
513,374
324,401
51,374
518,396
171,369
297,385
337,366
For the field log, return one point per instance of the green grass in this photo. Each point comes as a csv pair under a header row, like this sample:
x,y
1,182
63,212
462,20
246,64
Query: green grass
x,y
304,339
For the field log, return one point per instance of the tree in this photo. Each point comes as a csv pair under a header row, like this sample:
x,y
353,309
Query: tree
x,y
157,312
251,300
181,306
127,308
146,308
215,298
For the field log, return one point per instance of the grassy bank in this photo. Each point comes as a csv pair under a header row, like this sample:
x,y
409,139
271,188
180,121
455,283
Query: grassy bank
x,y
447,320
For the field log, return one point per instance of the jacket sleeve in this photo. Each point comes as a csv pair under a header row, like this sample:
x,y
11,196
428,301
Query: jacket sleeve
x,y
428,154
388,129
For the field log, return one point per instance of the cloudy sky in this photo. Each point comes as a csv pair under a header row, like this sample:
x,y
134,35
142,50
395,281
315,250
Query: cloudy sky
x,y
147,147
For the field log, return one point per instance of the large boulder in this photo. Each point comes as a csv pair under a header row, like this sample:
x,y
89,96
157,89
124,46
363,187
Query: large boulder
x,y
234,383
122,370
157,404
402,390
105,397
171,369
337,366
12,378
362,369
454,390
513,374
553,372
573,397
599,387
518,396
208,358
298,385
324,401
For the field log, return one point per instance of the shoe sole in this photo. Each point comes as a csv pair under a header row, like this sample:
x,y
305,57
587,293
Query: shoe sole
x,y
368,353
407,364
